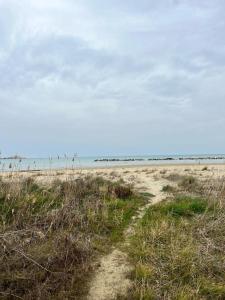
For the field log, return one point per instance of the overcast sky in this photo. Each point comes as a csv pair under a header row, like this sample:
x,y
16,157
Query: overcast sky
x,y
112,77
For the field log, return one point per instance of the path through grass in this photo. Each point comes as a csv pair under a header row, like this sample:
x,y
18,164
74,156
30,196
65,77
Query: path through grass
x,y
51,235
179,252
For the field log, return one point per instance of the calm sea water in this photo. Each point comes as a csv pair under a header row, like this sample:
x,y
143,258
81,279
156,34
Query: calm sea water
x,y
82,162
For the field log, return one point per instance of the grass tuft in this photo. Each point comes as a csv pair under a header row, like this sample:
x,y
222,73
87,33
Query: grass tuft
x,y
168,189
205,169
183,206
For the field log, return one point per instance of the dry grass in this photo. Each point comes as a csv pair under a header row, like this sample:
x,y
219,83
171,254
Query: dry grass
x,y
168,189
50,235
173,177
179,247
163,172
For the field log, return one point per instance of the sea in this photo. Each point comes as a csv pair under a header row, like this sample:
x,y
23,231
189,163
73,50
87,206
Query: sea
x,y
76,162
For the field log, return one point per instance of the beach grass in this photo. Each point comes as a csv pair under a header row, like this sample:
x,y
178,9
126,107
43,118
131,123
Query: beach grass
x,y
51,234
178,248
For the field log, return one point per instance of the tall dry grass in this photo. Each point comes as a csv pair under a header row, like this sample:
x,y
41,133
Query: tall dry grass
x,y
50,235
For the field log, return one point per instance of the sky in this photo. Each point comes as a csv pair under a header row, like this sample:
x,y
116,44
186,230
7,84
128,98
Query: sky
x,y
112,77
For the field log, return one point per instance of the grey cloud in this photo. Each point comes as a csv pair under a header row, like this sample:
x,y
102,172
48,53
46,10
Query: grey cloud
x,y
112,72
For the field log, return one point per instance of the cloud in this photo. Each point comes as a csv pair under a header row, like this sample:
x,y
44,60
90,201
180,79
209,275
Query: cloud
x,y
112,77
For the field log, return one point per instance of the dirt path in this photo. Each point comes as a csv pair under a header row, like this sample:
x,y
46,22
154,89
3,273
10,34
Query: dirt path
x,y
110,280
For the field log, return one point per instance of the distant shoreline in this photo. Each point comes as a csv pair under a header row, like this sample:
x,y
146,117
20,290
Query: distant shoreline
x,y
128,157
20,164
13,157
160,159
113,167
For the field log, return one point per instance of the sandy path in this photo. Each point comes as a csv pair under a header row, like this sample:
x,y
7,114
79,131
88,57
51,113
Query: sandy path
x,y
110,280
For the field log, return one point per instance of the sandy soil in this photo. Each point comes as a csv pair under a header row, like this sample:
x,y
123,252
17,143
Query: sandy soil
x,y
110,280
140,176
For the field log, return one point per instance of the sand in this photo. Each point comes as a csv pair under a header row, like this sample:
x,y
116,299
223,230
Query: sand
x,y
140,176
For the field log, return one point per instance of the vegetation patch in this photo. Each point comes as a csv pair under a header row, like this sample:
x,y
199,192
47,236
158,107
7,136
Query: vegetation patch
x,y
178,250
147,194
168,189
205,169
50,235
174,177
189,183
183,206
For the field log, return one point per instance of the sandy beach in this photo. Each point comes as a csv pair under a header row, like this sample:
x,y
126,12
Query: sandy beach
x,y
141,177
